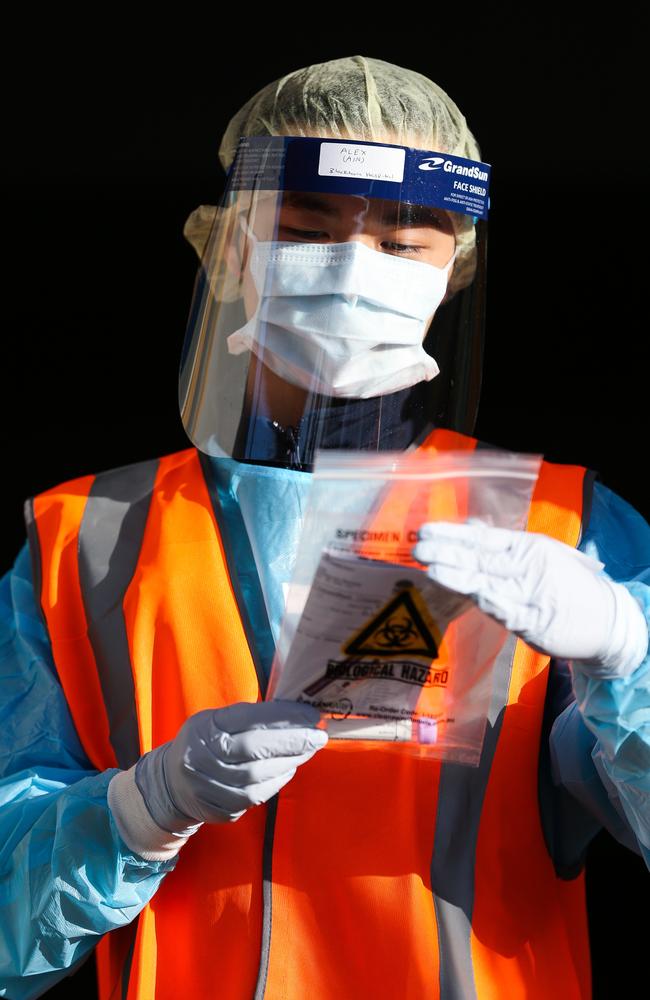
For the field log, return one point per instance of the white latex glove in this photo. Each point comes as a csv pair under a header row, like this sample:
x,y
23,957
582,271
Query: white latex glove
x,y
548,593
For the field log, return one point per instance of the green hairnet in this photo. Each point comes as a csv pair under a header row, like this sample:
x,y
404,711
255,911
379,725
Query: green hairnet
x,y
355,97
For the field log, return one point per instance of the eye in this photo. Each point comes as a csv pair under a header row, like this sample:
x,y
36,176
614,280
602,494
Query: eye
x,y
405,248
305,233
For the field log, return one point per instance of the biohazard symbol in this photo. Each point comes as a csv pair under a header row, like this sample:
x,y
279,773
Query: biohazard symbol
x,y
403,625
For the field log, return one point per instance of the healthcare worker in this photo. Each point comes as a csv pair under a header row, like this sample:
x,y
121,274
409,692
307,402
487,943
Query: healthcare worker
x,y
153,805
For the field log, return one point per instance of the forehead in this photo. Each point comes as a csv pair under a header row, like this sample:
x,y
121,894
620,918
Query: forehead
x,y
380,209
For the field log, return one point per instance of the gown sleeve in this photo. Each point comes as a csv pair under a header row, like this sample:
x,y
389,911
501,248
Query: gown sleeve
x,y
67,875
600,737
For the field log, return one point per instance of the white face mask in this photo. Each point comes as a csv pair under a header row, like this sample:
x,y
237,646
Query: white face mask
x,y
341,319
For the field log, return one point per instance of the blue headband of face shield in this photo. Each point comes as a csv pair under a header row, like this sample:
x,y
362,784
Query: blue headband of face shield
x,y
376,170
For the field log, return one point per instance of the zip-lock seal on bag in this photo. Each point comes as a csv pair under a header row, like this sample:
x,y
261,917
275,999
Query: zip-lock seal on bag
x,y
384,652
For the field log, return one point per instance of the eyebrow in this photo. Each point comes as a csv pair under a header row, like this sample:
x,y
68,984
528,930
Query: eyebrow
x,y
402,214
305,199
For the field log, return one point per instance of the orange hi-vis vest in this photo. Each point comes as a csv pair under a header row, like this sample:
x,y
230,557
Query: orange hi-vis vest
x,y
372,873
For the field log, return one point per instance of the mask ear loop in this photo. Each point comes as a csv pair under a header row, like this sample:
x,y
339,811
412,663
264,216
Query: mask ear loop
x,y
445,270
236,341
248,233
450,262
247,229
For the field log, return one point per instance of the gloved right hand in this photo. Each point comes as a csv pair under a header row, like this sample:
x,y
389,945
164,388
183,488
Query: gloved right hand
x,y
223,761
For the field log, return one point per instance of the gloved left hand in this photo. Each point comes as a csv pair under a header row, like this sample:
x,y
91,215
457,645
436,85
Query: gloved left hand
x,y
548,593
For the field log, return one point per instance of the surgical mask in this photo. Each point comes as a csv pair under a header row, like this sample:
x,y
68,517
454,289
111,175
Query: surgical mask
x,y
341,319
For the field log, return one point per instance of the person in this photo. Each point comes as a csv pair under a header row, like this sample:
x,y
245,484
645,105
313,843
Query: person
x,y
154,806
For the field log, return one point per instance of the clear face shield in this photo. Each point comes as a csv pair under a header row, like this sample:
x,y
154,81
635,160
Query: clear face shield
x,y
339,302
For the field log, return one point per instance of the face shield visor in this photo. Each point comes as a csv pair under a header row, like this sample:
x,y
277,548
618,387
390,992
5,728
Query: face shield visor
x,y
339,301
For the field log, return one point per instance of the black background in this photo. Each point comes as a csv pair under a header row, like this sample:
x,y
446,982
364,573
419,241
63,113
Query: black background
x,y
113,137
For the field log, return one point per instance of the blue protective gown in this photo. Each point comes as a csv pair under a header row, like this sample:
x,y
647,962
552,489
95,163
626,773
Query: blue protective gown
x,y
67,875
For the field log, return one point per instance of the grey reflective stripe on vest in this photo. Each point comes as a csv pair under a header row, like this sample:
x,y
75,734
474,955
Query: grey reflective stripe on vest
x,y
460,800
587,502
110,538
128,961
461,793
267,897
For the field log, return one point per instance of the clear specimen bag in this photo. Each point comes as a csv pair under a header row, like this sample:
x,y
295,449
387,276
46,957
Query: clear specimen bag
x,y
384,652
